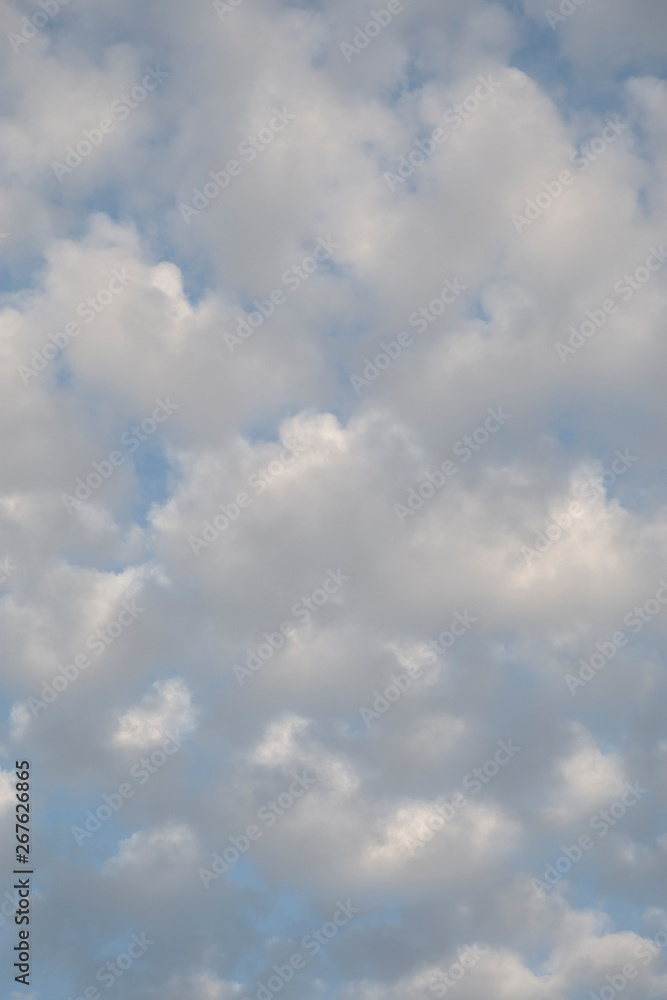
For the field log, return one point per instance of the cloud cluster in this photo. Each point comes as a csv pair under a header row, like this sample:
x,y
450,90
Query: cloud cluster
x,y
237,576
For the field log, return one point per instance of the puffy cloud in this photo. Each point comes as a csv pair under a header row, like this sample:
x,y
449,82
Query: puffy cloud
x,y
370,584
165,709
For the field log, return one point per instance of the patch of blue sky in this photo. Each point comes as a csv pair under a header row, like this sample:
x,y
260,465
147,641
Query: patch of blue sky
x,y
477,311
19,272
573,88
63,376
155,479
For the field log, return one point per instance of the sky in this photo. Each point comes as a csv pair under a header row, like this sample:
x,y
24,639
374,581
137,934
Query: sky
x,y
333,530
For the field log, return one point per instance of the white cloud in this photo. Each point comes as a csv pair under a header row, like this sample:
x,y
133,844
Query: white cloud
x,y
167,846
165,709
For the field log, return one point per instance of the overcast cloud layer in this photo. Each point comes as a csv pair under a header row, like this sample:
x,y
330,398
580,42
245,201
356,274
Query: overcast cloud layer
x,y
332,497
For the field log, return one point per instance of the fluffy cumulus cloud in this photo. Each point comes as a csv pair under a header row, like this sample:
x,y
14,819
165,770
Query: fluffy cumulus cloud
x,y
332,525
